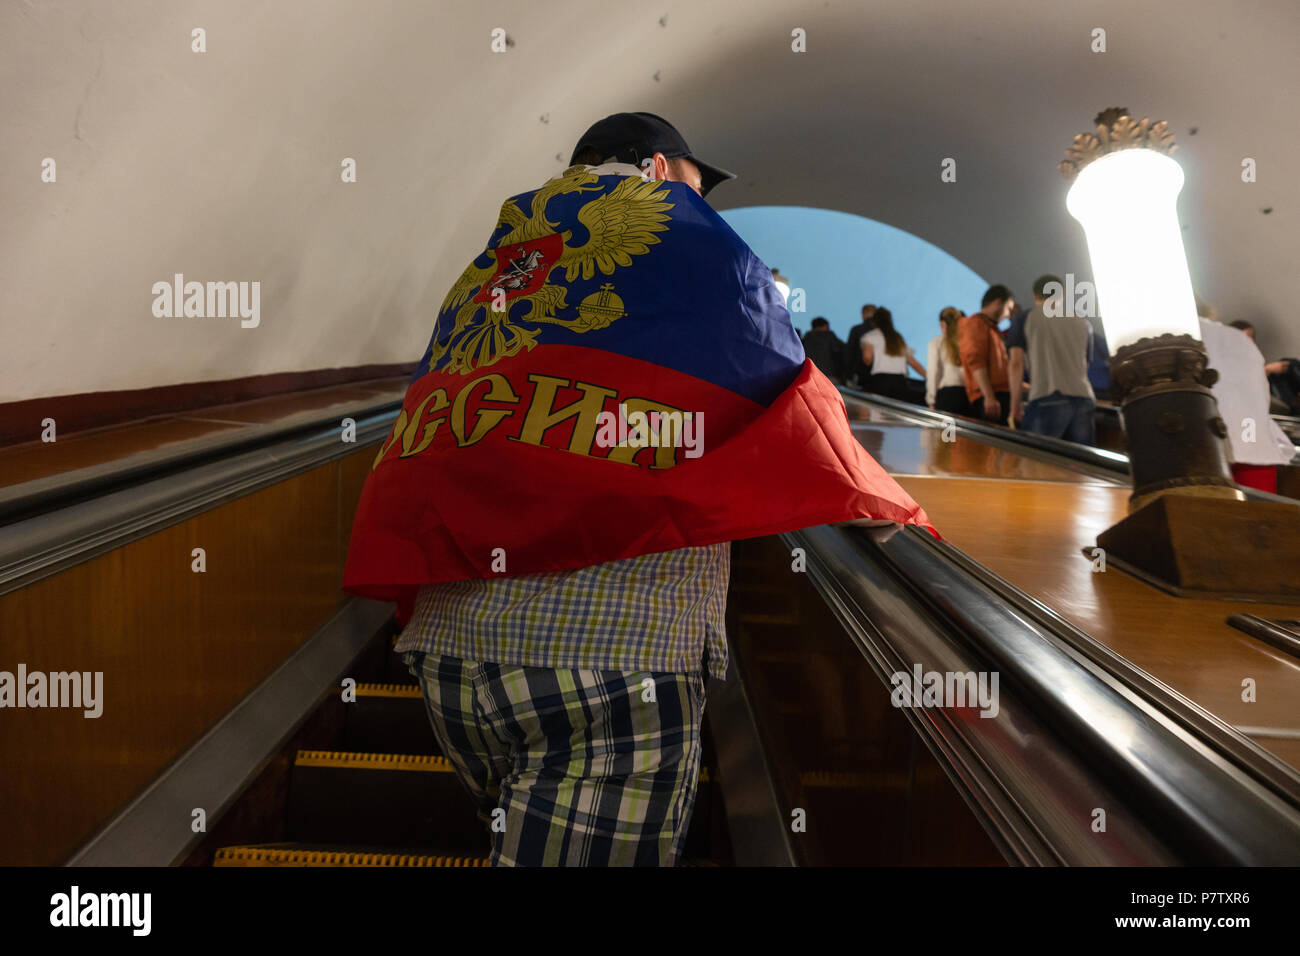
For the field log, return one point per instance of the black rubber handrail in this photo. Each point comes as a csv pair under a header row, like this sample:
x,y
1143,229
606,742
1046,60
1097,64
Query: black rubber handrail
x,y
756,821
1112,466
51,539
1274,635
153,829
1221,736
1192,797
1109,462
32,498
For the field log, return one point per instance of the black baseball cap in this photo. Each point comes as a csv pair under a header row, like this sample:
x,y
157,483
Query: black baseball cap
x,y
632,137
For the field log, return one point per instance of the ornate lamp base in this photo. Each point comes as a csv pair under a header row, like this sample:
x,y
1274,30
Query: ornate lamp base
x,y
1190,529
1201,547
1171,420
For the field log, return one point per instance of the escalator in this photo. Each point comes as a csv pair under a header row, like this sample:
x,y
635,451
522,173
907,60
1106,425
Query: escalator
x,y
322,756
274,725
1103,463
362,784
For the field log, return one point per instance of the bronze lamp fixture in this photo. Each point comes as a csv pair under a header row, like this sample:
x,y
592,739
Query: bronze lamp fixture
x,y
1190,528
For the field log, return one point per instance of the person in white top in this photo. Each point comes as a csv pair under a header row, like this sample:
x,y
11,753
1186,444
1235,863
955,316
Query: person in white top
x,y
1257,444
945,384
887,356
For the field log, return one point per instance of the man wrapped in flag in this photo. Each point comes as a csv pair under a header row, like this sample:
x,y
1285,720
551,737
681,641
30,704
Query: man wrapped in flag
x,y
613,392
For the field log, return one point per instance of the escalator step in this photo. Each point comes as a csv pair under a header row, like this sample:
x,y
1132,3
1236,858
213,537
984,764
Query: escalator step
x,y
340,759
379,800
345,759
399,691
300,855
388,718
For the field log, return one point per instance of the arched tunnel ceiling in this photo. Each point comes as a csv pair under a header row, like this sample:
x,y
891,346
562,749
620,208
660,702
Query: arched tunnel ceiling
x,y
225,165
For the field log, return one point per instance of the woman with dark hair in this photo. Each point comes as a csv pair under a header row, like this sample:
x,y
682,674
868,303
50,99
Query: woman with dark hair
x,y
945,384
887,355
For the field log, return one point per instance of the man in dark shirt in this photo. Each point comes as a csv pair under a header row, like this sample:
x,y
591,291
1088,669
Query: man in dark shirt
x,y
825,349
855,372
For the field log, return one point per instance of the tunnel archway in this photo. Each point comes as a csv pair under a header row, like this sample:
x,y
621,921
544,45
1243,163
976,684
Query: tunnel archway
x,y
842,261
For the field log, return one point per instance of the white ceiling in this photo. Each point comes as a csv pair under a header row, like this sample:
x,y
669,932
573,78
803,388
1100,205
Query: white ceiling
x,y
225,165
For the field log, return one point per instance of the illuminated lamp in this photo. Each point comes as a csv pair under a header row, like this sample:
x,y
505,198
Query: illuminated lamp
x,y
1190,529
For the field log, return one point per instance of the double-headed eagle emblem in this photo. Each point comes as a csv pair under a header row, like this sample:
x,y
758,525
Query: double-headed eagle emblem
x,y
620,224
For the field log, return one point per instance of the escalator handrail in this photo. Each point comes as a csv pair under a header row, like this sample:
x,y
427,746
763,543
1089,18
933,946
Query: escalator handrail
x,y
1113,466
32,498
1110,462
1193,790
756,821
154,828
41,544
1260,763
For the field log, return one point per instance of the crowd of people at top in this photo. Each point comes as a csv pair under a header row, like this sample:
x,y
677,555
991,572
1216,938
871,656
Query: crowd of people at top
x,y
1042,369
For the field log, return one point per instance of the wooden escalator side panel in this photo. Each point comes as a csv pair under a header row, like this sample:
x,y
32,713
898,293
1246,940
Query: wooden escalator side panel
x,y
1035,535
866,789
914,450
32,458
177,649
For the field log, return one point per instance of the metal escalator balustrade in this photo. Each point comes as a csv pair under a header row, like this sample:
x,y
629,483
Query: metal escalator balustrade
x,y
52,524
1076,731
365,787
823,772
361,785
1111,466
31,498
1096,462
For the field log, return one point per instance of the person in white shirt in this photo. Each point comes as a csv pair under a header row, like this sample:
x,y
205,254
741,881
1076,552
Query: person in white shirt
x,y
1256,442
887,356
945,384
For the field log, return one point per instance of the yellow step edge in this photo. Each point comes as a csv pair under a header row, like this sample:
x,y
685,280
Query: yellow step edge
x,y
362,761
273,856
389,690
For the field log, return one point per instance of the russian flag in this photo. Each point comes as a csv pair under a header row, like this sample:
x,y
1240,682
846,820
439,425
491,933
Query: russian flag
x,y
615,375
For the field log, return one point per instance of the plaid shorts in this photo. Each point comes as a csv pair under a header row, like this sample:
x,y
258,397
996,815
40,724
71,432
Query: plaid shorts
x,y
570,767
